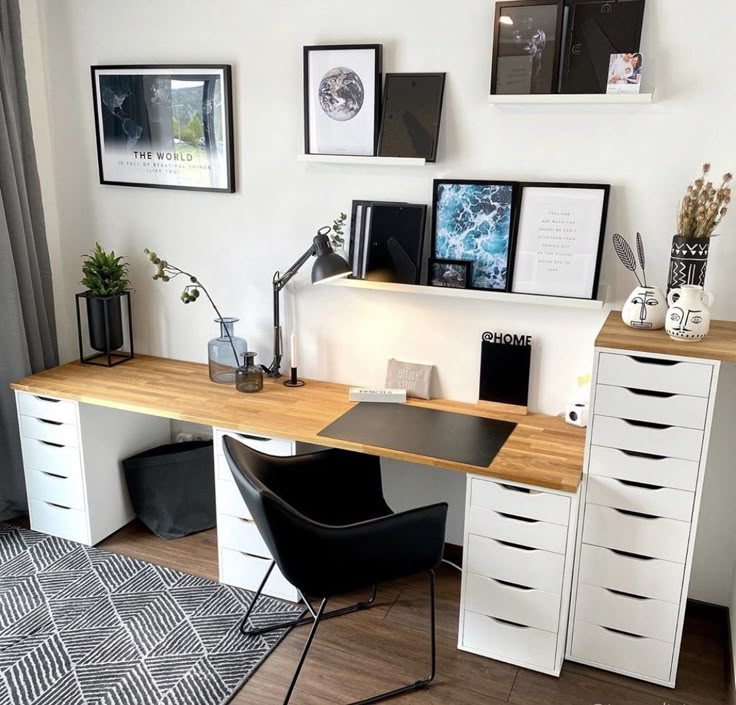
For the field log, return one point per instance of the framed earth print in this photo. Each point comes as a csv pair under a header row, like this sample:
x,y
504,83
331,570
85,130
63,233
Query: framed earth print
x,y
342,99
165,126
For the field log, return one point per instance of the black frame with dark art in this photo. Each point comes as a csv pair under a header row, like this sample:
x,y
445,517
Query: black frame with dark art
x,y
135,120
449,273
411,115
526,57
340,93
475,221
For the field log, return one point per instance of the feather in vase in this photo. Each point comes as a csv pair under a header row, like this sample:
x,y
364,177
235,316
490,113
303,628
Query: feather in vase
x,y
640,253
625,254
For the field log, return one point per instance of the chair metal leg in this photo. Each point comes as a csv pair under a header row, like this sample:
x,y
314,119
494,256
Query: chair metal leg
x,y
306,617
307,644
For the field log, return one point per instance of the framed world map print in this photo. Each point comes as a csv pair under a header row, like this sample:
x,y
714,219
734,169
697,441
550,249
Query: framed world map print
x,y
342,90
165,126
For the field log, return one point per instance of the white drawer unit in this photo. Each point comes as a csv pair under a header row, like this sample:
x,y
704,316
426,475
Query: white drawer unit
x,y
51,457
640,498
270,446
58,520
241,535
59,432
229,500
47,408
57,489
516,574
246,571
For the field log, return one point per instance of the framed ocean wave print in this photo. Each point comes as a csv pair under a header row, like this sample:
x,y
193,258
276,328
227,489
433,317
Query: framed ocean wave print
x,y
474,221
165,126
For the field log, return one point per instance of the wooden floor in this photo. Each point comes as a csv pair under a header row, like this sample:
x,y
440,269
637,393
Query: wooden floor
x,y
356,656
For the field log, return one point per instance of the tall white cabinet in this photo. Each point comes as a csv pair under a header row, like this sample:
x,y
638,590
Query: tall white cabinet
x,y
646,448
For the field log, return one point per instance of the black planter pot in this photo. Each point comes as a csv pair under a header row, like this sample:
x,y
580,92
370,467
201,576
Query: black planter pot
x,y
98,333
688,261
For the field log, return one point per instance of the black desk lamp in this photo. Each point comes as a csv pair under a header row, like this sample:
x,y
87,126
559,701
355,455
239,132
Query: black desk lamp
x,y
327,265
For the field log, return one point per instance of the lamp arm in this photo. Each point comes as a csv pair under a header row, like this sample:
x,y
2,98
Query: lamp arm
x,y
281,280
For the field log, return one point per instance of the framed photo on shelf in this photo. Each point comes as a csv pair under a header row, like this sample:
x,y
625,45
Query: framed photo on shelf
x,y
526,46
449,273
412,109
342,94
165,126
559,240
473,221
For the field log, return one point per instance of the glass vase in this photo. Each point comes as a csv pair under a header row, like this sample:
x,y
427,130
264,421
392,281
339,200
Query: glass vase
x,y
225,352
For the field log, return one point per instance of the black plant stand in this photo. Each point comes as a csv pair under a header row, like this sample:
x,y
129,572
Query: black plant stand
x,y
107,357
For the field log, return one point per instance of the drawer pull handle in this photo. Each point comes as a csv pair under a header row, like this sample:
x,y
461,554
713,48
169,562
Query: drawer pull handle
x,y
621,633
516,546
57,506
627,554
51,423
627,594
514,517
248,437
647,424
513,488
513,586
637,515
639,454
650,393
49,399
245,520
53,445
253,555
640,485
53,474
507,623
654,361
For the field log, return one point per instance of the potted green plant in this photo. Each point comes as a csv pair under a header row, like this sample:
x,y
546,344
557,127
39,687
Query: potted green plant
x,y
105,276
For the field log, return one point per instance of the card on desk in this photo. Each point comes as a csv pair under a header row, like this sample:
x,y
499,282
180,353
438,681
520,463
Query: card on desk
x,y
460,438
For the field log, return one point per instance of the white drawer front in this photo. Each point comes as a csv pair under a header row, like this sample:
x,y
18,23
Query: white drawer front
x,y
649,469
644,536
659,501
244,571
229,500
533,608
524,532
637,615
64,491
671,441
509,642
241,535
53,431
222,470
518,501
659,375
641,405
648,577
271,446
58,521
47,408
634,654
531,568
60,460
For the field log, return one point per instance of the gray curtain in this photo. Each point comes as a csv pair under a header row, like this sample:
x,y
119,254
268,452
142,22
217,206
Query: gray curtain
x,y
27,328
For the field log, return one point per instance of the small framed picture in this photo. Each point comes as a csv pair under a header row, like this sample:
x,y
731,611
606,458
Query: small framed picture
x,y
342,94
559,242
624,73
165,126
449,273
473,221
526,46
412,109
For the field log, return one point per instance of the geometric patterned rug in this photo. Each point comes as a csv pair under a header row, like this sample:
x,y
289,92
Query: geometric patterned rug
x,y
81,626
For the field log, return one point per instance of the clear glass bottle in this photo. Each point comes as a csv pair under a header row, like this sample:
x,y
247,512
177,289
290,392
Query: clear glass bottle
x,y
249,377
223,360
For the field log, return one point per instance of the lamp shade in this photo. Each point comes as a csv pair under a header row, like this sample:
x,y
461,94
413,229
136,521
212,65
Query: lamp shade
x,y
327,264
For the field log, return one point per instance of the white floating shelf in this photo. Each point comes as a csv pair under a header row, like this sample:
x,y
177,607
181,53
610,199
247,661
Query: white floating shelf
x,y
495,296
572,99
364,161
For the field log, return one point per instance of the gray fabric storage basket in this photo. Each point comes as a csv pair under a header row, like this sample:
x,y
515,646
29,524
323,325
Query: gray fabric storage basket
x,y
172,488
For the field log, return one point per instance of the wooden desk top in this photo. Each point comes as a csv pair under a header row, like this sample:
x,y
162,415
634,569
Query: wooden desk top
x,y
543,450
719,344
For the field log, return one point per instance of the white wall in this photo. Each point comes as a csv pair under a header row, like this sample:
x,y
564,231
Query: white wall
x,y
235,242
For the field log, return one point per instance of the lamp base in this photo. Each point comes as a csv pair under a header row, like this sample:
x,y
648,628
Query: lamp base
x,y
293,380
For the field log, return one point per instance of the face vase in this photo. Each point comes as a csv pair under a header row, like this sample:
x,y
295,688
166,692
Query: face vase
x,y
688,317
645,309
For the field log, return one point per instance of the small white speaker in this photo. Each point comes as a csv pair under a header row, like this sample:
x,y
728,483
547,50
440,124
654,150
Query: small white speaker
x,y
577,415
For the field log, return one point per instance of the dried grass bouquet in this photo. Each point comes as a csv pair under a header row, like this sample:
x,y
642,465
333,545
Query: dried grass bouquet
x,y
704,206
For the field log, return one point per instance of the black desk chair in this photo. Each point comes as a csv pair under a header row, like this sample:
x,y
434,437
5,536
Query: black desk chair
x,y
330,531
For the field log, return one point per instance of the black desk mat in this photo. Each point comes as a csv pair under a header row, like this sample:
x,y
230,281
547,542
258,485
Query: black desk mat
x,y
459,438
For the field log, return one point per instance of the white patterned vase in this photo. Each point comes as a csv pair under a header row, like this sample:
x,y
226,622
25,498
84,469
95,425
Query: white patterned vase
x,y
645,309
688,317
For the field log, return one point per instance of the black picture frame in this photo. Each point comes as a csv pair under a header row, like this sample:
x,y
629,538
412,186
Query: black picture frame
x,y
465,265
524,187
439,250
416,133
377,49
555,52
156,160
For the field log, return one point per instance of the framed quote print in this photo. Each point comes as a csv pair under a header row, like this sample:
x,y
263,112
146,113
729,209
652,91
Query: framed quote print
x,y
342,99
165,126
559,240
